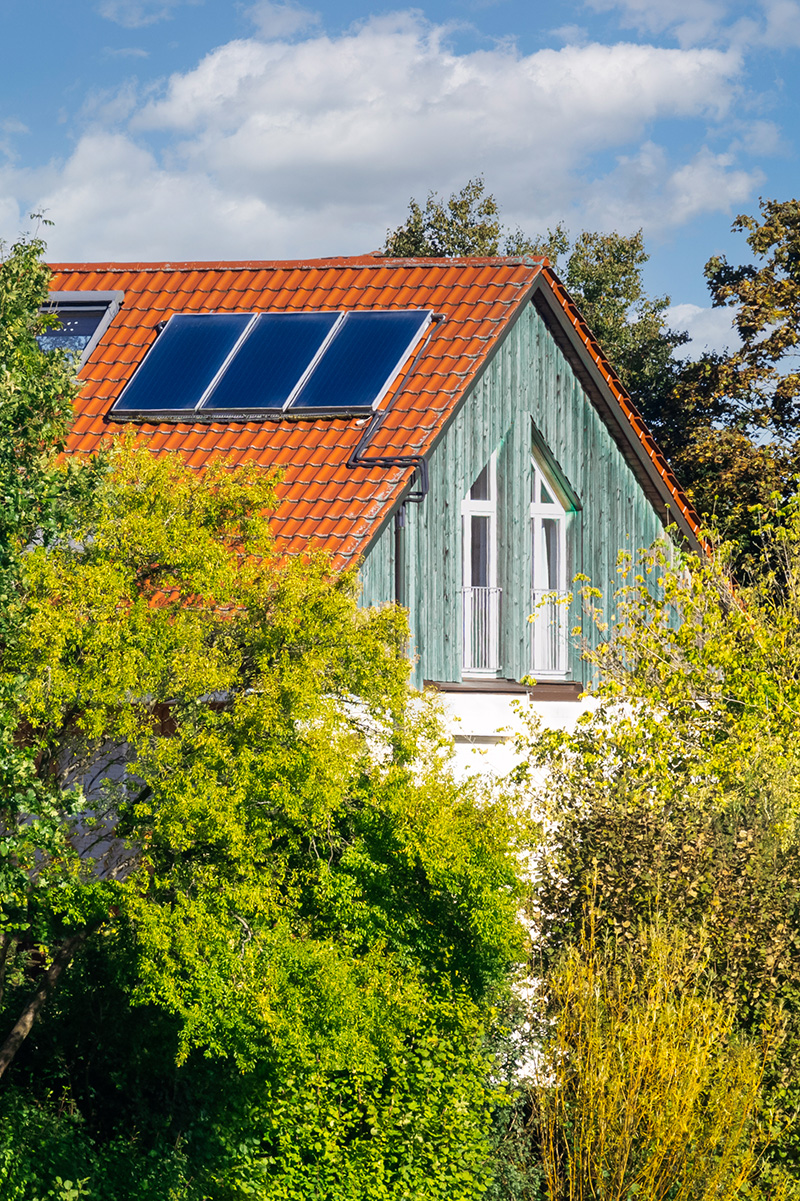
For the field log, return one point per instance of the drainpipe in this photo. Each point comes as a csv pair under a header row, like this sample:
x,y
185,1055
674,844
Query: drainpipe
x,y
400,556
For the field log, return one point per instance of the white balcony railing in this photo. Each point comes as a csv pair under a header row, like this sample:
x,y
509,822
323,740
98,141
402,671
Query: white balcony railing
x,y
480,625
550,640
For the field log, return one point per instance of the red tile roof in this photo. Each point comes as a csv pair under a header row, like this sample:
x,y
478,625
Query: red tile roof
x,y
322,501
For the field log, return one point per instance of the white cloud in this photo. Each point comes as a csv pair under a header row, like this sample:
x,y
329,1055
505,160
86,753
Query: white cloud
x,y
690,21
771,23
133,14
647,189
10,218
708,329
280,20
781,24
113,201
125,52
279,148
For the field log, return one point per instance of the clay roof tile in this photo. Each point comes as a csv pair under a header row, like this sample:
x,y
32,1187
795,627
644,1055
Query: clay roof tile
x,y
321,499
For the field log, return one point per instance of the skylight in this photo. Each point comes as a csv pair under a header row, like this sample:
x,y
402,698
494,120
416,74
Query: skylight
x,y
238,365
83,317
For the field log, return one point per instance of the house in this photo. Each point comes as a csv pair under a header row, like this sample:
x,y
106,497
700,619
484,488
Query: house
x,y
450,425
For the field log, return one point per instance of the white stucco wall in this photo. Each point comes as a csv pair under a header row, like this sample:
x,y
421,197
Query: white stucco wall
x,y
483,724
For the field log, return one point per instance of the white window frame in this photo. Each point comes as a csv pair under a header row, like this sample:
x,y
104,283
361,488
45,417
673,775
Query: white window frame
x,y
480,508
549,639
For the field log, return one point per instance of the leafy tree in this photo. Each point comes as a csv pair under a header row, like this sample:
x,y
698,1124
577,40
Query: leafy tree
x,y
742,412
603,272
678,796
229,843
466,224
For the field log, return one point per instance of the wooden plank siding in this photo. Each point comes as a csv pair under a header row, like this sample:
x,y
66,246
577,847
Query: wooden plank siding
x,y
528,382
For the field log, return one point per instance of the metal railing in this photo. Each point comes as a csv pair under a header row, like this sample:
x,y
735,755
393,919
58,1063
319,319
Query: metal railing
x,y
550,633
480,650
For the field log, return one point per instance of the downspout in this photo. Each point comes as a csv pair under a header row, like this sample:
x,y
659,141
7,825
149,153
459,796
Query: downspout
x,y
400,556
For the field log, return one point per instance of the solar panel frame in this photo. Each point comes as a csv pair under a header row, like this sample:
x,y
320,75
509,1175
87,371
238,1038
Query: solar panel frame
x,y
159,348
351,316
293,408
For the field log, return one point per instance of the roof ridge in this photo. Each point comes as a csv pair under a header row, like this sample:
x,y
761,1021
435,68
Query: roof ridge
x,y
370,260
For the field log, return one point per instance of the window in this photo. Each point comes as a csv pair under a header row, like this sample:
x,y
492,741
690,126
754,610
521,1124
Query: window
x,y
548,576
84,318
480,594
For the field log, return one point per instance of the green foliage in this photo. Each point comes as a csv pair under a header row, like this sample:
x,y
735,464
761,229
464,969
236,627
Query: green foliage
x,y
290,926
466,224
300,888
604,273
642,1088
741,408
36,395
678,794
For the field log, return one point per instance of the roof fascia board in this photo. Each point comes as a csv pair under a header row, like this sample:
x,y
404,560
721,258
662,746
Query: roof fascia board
x,y
610,409
511,320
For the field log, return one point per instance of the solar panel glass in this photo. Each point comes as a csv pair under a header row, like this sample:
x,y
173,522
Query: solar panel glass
x,y
271,361
182,362
361,360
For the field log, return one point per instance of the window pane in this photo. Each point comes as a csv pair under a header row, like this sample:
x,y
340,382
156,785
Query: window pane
x,y
480,489
479,551
182,362
77,328
550,550
271,361
545,548
362,360
545,497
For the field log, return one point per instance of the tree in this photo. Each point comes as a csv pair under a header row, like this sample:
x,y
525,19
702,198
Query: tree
x,y
604,273
218,808
742,413
643,1089
466,224
677,797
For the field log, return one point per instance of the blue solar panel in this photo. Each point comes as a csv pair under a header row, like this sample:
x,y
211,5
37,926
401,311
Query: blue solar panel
x,y
182,362
271,361
361,360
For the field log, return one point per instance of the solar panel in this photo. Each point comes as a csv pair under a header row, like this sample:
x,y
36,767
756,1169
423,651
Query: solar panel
x,y
272,360
183,362
361,360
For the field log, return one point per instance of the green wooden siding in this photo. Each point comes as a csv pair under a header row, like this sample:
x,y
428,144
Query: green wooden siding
x,y
528,381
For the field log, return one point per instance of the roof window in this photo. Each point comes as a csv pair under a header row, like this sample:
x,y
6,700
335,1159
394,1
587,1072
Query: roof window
x,y
84,318
240,365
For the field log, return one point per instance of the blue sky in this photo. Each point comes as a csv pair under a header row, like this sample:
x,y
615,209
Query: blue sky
x,y
206,129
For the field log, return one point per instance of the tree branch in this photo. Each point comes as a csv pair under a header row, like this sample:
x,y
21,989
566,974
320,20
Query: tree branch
x,y
24,1024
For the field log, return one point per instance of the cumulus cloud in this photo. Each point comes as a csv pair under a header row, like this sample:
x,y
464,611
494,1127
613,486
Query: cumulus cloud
x,y
280,20
276,147
708,329
648,189
133,14
690,21
770,23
